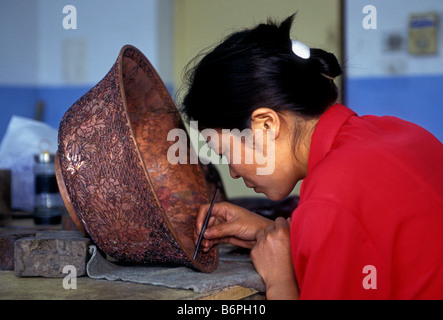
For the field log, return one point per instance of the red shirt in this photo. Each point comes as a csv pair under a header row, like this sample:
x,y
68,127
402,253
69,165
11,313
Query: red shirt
x,y
370,220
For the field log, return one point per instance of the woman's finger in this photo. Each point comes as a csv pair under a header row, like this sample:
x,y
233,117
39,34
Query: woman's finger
x,y
281,223
260,235
201,215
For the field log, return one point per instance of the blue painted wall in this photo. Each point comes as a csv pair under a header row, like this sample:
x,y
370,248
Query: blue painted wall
x,y
22,101
418,99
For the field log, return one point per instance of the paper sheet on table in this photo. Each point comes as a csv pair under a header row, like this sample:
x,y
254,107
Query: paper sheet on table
x,y
23,139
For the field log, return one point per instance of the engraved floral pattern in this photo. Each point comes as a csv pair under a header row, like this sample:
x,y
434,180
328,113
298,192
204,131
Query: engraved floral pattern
x,y
134,206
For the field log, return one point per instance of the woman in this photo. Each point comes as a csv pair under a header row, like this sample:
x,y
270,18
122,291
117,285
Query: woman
x,y
369,224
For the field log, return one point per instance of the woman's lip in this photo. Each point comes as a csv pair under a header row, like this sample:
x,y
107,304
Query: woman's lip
x,y
251,186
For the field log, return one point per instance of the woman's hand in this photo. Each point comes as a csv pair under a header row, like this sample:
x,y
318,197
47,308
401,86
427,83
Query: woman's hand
x,y
272,259
229,224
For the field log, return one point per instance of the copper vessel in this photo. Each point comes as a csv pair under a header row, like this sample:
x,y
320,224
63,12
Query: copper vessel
x,y
114,175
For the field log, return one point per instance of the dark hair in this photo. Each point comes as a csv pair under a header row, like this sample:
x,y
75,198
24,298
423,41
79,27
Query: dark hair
x,y
256,68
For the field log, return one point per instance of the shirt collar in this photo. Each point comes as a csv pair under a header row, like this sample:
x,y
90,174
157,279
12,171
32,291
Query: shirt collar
x,y
325,132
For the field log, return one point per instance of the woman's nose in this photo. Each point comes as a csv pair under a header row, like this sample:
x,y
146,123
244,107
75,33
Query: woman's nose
x,y
232,172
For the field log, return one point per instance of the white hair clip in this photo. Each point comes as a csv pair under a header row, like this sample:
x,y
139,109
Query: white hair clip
x,y
300,49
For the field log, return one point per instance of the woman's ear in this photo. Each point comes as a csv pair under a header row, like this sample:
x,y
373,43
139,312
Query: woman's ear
x,y
266,119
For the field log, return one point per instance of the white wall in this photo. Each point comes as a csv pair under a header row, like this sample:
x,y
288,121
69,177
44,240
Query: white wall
x,y
37,50
103,28
366,53
19,42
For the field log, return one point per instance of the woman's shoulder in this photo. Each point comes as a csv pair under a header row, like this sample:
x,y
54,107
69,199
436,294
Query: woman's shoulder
x,y
374,158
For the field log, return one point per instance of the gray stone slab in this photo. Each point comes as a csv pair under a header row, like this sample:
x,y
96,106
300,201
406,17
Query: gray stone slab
x,y
7,240
48,252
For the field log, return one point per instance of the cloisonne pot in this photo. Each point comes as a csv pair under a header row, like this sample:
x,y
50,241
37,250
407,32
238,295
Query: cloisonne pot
x,y
114,176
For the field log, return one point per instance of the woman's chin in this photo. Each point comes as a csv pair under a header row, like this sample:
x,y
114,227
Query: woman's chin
x,y
271,195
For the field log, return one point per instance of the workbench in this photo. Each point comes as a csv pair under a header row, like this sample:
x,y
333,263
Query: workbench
x,y
24,288
14,287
